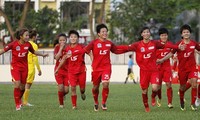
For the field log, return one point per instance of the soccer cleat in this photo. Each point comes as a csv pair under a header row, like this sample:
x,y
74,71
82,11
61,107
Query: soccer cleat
x,y
103,106
147,109
170,106
153,101
193,107
159,102
183,107
83,96
61,106
74,107
197,102
28,104
96,107
18,107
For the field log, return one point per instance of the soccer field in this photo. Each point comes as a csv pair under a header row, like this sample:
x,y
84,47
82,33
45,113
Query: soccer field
x,y
124,103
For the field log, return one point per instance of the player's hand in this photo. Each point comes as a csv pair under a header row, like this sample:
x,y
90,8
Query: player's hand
x,y
62,45
56,72
45,55
40,73
182,47
159,61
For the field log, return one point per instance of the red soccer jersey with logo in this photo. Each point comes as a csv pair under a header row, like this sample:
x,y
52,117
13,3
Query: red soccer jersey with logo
x,y
101,54
146,54
19,53
76,63
160,53
186,58
63,69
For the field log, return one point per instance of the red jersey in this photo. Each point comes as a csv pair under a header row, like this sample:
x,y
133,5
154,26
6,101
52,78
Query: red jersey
x,y
76,62
186,58
19,53
63,69
101,54
160,53
146,54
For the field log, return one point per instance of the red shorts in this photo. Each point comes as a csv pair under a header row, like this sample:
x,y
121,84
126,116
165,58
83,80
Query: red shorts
x,y
147,77
184,76
19,74
165,75
77,79
62,79
100,76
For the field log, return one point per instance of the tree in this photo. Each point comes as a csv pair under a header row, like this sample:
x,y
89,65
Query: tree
x,y
130,15
21,22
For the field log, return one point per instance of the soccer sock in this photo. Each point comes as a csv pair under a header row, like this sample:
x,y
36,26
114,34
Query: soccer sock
x,y
95,96
181,95
60,97
25,96
17,93
159,94
145,100
169,95
105,93
188,85
154,93
193,95
198,91
73,99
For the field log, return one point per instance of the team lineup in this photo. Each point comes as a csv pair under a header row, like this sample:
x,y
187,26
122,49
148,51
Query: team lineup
x,y
152,57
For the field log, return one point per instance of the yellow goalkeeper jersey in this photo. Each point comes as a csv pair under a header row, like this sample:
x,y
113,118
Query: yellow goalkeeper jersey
x,y
32,58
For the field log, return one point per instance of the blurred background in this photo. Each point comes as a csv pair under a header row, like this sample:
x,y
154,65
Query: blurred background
x,y
124,19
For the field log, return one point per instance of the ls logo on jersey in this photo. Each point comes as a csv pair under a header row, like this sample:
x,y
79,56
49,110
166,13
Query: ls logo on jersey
x,y
146,56
25,48
99,45
163,54
142,49
22,54
103,52
74,58
187,54
17,48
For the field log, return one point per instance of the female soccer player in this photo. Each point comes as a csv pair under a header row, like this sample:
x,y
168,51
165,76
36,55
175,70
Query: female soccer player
x,y
62,74
32,62
188,72
165,71
19,64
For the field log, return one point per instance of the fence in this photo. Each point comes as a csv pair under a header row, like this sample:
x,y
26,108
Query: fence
x,y
120,59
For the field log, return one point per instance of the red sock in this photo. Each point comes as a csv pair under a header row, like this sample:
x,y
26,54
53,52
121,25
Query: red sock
x,y
169,95
21,93
105,93
159,93
198,91
188,85
153,95
17,94
193,95
95,96
145,100
74,98
60,97
181,95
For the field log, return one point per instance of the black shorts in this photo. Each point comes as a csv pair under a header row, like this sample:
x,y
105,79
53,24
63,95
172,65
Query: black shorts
x,y
129,71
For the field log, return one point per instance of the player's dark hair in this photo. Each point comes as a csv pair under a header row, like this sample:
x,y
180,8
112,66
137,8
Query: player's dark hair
x,y
56,41
20,33
100,26
73,32
144,28
32,33
163,31
185,27
130,56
